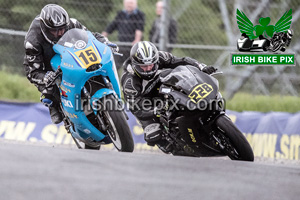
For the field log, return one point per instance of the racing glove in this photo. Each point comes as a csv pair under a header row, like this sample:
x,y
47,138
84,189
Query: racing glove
x,y
209,69
49,78
113,46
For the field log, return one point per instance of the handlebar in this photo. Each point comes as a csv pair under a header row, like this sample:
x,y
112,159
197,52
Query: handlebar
x,y
115,49
216,73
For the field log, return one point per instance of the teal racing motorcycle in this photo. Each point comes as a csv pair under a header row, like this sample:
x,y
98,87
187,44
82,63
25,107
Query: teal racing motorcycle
x,y
90,92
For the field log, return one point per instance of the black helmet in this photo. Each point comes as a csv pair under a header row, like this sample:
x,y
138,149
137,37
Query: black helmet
x,y
54,22
144,54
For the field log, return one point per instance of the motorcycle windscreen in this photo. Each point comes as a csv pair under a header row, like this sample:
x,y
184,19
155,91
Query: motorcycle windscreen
x,y
80,46
194,83
77,38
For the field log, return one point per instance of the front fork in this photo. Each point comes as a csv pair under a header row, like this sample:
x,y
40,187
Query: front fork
x,y
110,86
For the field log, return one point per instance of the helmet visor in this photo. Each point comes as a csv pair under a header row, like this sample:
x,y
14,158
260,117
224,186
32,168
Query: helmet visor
x,y
54,33
146,72
58,31
145,68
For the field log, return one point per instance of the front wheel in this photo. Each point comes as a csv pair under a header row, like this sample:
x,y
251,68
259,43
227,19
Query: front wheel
x,y
117,126
232,141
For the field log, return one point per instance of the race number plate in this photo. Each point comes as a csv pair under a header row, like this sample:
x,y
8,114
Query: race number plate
x,y
200,92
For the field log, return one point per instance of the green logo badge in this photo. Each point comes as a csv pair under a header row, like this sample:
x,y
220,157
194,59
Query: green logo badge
x,y
264,29
263,37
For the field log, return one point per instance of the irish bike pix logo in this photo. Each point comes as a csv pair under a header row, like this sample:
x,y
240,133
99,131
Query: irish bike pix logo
x,y
264,44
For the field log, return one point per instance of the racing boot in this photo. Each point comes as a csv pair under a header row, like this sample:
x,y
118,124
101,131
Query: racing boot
x,y
56,116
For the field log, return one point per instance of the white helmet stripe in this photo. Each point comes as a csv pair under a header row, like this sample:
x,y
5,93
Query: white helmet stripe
x,y
142,50
146,51
57,19
149,49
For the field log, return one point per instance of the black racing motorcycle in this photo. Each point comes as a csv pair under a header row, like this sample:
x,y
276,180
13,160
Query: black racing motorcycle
x,y
193,116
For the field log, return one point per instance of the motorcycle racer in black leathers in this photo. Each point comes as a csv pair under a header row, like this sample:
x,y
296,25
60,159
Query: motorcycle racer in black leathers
x,y
139,86
45,30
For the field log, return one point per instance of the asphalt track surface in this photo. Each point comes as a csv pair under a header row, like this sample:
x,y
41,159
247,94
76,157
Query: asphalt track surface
x,y
45,172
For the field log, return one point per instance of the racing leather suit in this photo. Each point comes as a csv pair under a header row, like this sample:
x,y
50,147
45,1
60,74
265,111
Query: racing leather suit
x,y
38,53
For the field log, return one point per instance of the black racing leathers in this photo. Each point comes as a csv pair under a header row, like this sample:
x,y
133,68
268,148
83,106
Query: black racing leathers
x,y
38,52
138,91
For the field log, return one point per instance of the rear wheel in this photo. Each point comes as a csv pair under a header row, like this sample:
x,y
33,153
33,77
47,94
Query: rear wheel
x,y
232,141
118,129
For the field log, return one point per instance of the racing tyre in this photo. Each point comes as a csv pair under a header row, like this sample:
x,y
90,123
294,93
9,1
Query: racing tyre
x,y
91,148
118,129
234,142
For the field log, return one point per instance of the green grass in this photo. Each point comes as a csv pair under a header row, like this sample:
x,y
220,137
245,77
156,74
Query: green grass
x,y
18,88
245,101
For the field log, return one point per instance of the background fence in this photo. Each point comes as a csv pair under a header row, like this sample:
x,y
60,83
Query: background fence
x,y
207,31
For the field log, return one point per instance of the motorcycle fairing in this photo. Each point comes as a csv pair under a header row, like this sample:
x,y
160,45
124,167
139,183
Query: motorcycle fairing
x,y
194,84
